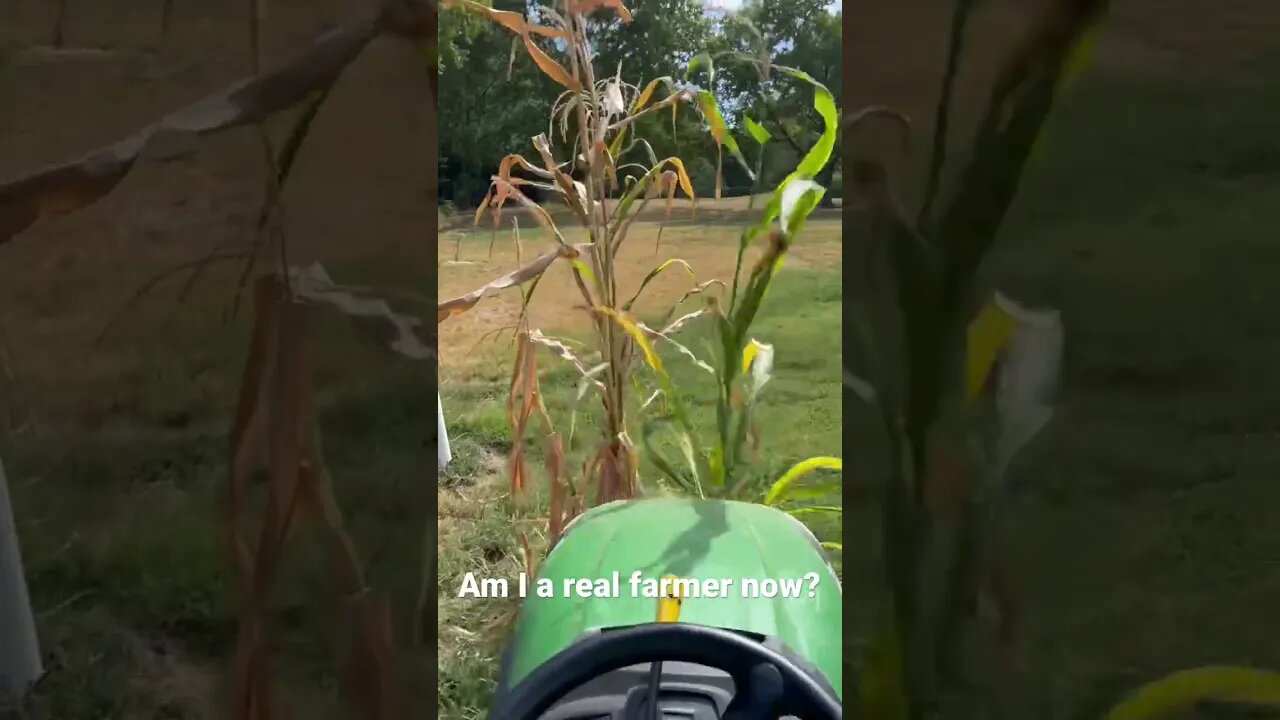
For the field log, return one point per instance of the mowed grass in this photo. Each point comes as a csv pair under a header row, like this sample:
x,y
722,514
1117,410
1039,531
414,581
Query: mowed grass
x,y
480,523
1141,541
123,538
1141,537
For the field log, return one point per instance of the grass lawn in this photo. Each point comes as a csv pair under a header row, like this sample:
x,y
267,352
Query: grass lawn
x,y
1140,537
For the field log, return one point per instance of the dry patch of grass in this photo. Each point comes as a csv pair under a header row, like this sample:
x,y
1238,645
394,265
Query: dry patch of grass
x,y
711,250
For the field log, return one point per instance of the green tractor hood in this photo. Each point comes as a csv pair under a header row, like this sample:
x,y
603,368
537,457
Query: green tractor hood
x,y
689,539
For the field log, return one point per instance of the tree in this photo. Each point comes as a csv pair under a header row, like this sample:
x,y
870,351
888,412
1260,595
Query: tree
x,y
804,34
489,107
659,40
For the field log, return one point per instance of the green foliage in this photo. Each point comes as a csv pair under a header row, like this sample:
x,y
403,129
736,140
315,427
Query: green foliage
x,y
743,365
478,74
802,34
457,30
946,436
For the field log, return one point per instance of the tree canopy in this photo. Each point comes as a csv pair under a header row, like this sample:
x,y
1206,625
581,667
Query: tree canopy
x,y
493,100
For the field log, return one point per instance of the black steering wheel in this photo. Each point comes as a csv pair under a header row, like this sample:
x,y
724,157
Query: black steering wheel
x,y
767,684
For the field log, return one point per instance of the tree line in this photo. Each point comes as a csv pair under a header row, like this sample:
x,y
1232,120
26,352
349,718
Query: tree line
x,y
493,100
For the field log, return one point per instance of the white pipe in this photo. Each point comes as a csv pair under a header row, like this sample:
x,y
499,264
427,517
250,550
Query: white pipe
x,y
442,434
19,650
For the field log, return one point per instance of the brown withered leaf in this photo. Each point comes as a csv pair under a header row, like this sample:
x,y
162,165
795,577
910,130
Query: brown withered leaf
x,y
559,499
527,554
275,399
318,499
561,351
525,386
463,303
521,369
401,333
248,433
516,23
289,406
585,7
371,679
70,186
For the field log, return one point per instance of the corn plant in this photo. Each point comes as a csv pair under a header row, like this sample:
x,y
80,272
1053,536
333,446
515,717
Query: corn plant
x,y
606,111
741,365
596,116
959,394
275,422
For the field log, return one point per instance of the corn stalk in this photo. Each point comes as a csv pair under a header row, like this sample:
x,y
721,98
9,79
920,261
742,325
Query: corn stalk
x,y
596,117
954,415
275,420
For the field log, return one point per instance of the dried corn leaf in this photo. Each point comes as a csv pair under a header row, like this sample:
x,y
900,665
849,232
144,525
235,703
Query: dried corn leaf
x,y
507,188
371,678
517,24
560,349
463,303
524,385
316,489
70,186
672,262
585,7
401,333
248,434
289,407
563,504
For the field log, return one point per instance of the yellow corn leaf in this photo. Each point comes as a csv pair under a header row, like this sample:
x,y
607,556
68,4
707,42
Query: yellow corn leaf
x,y
1181,690
778,491
647,94
516,23
585,7
989,334
685,183
749,354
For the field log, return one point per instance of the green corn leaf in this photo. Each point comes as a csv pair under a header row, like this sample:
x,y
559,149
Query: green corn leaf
x,y
756,130
655,273
1180,691
825,103
702,60
648,430
815,510
720,129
